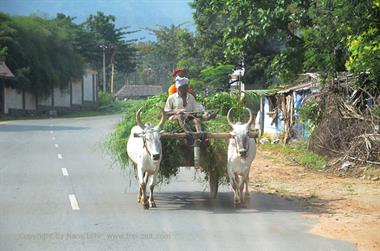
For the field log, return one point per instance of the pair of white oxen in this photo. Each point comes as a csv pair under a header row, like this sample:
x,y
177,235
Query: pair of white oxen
x,y
145,151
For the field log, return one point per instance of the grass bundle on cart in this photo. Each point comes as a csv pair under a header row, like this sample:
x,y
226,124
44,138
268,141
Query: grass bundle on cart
x,y
176,152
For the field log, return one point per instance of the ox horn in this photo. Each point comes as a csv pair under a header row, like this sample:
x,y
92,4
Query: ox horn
x,y
163,117
250,116
228,118
138,118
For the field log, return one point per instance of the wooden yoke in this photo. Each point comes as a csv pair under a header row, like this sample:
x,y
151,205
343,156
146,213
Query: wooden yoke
x,y
197,135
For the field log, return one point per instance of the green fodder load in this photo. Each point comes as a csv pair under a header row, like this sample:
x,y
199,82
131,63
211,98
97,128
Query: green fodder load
x,y
177,153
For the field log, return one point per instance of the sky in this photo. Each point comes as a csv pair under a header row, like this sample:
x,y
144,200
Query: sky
x,y
137,14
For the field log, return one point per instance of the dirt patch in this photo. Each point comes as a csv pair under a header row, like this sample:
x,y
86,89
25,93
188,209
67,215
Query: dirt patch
x,y
347,208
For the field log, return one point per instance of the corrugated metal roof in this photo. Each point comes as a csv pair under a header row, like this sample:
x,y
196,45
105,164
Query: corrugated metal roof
x,y
262,92
303,86
4,71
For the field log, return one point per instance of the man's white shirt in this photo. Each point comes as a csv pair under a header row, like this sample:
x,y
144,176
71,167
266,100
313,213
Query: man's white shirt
x,y
175,103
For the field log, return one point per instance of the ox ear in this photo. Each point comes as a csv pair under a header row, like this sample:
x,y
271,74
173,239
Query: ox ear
x,y
162,131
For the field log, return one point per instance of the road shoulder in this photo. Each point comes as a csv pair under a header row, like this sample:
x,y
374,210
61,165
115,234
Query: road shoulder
x,y
346,208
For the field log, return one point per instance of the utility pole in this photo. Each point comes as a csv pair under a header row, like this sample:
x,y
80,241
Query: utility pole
x,y
112,76
104,47
113,68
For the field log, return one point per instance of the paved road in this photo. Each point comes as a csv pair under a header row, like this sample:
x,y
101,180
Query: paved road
x,y
58,192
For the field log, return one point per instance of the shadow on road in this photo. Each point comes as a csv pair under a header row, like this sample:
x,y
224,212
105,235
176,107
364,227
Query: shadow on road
x,y
26,128
223,204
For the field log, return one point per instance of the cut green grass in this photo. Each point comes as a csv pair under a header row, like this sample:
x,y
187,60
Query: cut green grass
x,y
297,153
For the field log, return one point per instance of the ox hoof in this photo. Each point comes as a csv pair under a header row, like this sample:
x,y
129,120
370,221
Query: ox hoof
x,y
152,204
146,205
237,204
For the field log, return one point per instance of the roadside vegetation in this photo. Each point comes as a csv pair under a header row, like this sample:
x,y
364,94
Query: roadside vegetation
x,y
297,153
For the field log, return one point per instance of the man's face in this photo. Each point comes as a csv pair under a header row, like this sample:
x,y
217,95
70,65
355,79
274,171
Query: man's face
x,y
182,90
181,74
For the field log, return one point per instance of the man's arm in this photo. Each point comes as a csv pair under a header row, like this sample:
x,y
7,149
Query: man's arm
x,y
168,105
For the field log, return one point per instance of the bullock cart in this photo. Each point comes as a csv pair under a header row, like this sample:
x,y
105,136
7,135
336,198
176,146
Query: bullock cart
x,y
199,138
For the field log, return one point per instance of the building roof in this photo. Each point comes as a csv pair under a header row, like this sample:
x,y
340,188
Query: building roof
x,y
262,92
306,82
309,81
4,71
299,87
136,91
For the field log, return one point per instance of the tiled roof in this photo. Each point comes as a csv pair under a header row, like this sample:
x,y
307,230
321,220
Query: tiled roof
x,y
4,71
135,91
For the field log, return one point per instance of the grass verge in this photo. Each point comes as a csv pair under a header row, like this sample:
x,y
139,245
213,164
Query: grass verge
x,y
297,153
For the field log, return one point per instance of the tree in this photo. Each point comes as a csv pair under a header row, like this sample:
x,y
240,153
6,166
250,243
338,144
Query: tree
x,y
211,21
174,47
100,30
41,54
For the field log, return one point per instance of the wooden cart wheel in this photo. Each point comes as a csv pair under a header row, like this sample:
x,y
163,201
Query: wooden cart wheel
x,y
213,183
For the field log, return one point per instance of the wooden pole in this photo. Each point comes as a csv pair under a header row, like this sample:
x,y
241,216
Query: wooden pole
x,y
222,135
112,77
262,107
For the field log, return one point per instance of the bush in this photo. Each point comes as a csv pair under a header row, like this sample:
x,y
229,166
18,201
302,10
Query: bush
x,y
105,98
310,114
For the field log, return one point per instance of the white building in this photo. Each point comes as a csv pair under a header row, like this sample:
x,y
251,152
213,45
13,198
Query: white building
x,y
77,95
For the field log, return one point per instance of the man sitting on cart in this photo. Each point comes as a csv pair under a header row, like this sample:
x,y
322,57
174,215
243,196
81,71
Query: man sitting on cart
x,y
182,102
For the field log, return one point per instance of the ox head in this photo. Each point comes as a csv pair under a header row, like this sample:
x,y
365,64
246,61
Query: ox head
x,y
240,133
151,135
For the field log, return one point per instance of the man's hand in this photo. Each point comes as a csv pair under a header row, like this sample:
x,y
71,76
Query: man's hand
x,y
177,112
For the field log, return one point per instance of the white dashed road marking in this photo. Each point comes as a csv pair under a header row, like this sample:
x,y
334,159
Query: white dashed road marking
x,y
56,145
60,156
51,132
73,202
64,172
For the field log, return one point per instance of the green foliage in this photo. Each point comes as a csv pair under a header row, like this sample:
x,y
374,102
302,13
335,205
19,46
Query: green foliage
x,y
255,31
41,53
282,39
47,53
105,98
212,79
364,52
310,114
174,47
100,30
221,101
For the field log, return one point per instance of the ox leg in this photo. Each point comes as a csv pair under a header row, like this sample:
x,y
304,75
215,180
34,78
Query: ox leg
x,y
239,188
247,194
152,183
143,199
244,184
235,187
139,195
231,176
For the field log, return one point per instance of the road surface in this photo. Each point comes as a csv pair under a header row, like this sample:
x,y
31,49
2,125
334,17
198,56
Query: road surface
x,y
58,191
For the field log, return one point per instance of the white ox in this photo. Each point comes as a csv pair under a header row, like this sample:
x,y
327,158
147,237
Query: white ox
x,y
145,151
241,153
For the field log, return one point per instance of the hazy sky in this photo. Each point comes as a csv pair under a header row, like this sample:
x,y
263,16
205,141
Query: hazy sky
x,y
134,13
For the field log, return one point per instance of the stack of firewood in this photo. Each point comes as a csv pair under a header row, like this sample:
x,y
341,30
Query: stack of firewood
x,y
350,123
